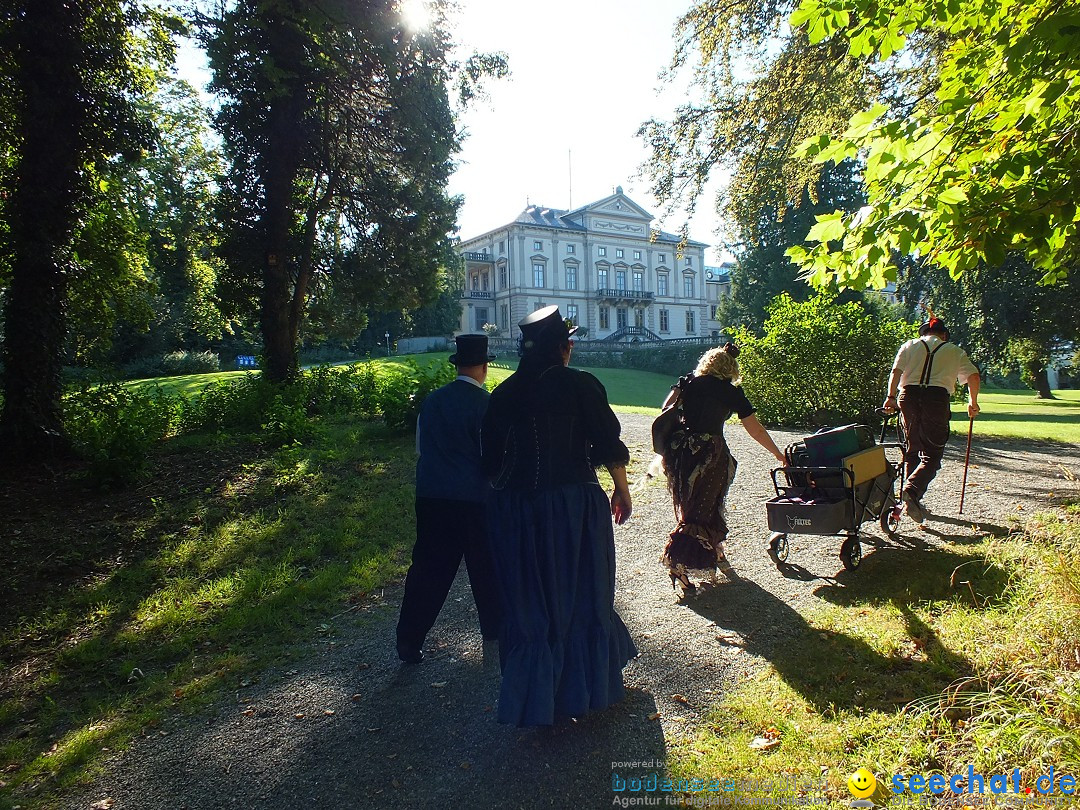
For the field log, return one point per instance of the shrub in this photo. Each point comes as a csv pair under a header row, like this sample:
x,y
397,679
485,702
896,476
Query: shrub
x,y
237,404
114,428
401,392
348,390
820,362
185,362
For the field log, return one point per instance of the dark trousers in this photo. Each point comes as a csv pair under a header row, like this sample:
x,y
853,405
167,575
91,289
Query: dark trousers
x,y
925,411
446,531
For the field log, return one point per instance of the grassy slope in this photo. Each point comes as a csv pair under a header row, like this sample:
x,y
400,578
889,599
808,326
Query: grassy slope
x,y
1014,414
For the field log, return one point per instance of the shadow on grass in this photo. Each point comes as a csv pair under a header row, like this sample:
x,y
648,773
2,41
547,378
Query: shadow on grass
x,y
202,580
836,670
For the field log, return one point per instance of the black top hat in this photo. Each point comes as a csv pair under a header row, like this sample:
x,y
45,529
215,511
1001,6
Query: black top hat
x,y
934,326
472,350
546,325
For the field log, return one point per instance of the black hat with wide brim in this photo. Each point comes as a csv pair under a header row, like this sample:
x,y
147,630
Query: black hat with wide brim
x,y
472,350
546,326
932,326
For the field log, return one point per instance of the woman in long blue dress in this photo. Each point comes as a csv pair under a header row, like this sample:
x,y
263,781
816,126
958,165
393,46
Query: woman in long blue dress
x,y
547,427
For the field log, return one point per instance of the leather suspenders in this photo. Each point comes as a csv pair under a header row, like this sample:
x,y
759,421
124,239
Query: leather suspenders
x,y
928,364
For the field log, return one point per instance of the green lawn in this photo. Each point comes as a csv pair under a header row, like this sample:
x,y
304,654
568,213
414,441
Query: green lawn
x,y
1019,414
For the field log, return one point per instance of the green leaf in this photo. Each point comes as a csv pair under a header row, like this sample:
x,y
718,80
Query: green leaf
x,y
953,195
828,228
806,10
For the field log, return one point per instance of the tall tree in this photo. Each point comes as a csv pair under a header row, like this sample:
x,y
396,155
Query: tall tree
x,y
985,166
758,90
73,73
339,129
763,270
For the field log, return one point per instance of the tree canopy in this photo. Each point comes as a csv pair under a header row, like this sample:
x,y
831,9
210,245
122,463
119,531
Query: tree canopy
x,y
985,166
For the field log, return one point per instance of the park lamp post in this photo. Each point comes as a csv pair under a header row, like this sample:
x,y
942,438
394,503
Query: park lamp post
x,y
387,344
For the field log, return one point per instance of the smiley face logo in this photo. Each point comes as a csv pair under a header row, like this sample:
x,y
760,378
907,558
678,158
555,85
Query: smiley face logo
x,y
862,784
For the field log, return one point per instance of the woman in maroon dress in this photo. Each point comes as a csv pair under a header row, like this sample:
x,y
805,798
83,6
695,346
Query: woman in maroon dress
x,y
700,466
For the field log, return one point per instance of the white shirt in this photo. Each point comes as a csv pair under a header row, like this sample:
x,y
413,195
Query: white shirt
x,y
950,364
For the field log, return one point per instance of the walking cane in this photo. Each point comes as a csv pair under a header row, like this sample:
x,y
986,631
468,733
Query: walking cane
x,y
967,458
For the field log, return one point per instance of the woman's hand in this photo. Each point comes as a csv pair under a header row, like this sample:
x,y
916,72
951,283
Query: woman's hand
x,y
621,506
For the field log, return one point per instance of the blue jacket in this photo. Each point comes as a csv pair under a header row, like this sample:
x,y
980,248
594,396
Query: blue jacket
x,y
449,443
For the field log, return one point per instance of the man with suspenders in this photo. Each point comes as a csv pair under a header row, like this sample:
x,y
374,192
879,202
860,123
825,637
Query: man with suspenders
x,y
921,384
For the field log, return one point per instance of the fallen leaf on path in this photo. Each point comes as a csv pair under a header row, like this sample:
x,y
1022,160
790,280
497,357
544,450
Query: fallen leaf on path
x,y
299,715
680,699
654,716
356,696
438,684
102,804
763,743
328,711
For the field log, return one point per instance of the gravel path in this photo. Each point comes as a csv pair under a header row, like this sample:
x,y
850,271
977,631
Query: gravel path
x,y
345,726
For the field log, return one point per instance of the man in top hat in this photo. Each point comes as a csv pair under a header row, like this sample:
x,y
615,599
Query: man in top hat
x,y
451,493
921,384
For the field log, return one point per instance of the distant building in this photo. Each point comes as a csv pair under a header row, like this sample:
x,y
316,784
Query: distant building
x,y
717,288
603,264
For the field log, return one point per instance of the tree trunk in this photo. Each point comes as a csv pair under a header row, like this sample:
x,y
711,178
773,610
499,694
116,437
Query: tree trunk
x,y
42,208
1041,381
286,52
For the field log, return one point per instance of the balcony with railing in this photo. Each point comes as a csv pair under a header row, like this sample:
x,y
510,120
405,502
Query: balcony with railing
x,y
609,294
488,294
469,256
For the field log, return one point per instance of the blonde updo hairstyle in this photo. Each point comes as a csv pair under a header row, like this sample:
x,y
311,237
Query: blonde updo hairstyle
x,y
720,363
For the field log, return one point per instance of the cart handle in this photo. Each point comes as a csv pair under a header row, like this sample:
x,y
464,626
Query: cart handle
x,y
844,471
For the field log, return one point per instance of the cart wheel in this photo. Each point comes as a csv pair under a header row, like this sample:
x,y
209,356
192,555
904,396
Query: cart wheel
x,y
851,553
890,520
778,547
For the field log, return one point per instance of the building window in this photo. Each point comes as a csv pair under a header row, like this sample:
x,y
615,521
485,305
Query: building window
x,y
664,321
481,318
605,323
538,245
689,321
662,258
639,281
620,317
571,313
504,315
713,312
618,253
688,286
571,277
620,279
503,278
538,275
661,284
637,255
601,277
689,262
570,248
502,247
639,318
601,251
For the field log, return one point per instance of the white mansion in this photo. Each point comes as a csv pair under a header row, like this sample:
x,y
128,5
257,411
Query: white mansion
x,y
604,266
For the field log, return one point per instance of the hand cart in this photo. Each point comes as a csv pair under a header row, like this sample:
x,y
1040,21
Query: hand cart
x,y
834,481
